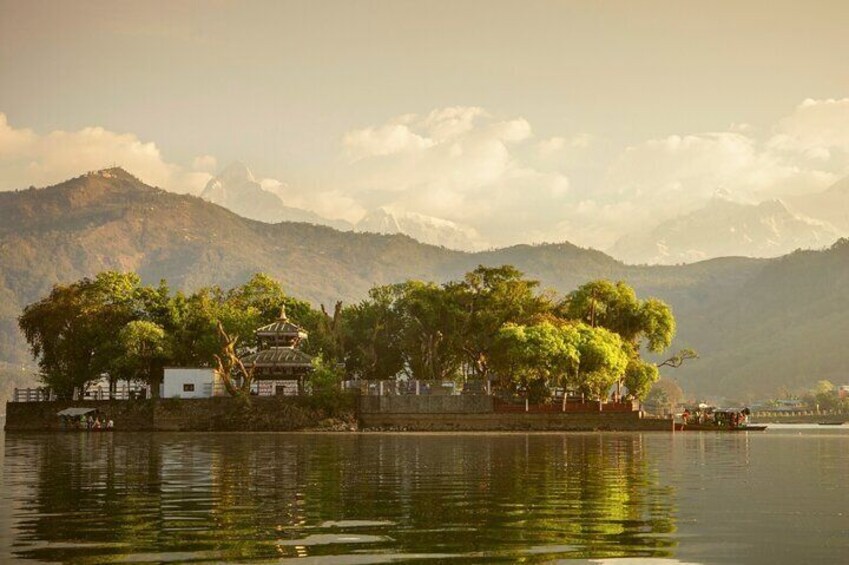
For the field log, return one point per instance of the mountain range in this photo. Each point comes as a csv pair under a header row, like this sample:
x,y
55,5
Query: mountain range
x,y
759,324
724,228
426,229
236,189
720,228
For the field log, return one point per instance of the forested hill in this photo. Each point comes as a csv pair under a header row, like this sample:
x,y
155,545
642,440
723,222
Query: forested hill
x,y
727,308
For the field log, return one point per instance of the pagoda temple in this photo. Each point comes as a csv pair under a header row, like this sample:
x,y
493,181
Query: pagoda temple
x,y
279,366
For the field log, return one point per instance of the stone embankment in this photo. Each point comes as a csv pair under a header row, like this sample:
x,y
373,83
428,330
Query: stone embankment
x,y
478,413
205,414
345,413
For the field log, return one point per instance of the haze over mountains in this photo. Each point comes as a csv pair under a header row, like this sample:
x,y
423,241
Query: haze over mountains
x,y
723,228
236,189
720,228
426,229
758,324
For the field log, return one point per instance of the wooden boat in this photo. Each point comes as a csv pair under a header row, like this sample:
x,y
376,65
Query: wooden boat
x,y
832,423
714,428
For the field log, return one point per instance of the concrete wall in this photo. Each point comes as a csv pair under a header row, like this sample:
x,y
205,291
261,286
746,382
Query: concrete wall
x,y
426,404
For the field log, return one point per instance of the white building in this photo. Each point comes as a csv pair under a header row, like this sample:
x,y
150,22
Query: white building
x,y
182,382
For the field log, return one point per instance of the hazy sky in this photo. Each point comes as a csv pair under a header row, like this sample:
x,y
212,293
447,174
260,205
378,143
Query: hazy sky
x,y
525,120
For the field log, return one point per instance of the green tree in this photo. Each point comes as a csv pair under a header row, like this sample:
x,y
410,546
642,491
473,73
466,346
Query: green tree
x,y
615,306
824,387
325,378
603,360
536,357
641,324
326,333
143,353
371,330
193,335
487,298
429,334
73,332
261,294
825,397
640,376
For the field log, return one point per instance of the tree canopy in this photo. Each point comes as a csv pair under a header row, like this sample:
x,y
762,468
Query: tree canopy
x,y
493,324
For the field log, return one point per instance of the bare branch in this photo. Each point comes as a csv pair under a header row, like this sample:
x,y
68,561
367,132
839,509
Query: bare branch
x,y
229,365
679,358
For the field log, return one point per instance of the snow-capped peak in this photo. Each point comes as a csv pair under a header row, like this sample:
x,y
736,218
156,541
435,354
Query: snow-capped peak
x,y
427,229
236,172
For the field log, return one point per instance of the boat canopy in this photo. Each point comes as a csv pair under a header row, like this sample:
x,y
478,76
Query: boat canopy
x,y
72,412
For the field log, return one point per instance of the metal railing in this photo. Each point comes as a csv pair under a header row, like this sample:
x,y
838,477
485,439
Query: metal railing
x,y
47,395
413,388
32,395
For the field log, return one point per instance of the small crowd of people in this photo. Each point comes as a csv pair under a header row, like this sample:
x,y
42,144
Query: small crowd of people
x,y
95,423
713,417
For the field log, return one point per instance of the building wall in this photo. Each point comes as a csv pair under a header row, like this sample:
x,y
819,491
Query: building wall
x,y
176,378
285,387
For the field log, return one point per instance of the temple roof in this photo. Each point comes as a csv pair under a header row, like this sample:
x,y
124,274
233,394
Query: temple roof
x,y
278,357
282,327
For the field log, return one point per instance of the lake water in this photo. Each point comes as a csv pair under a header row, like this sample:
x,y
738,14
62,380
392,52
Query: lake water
x,y
779,496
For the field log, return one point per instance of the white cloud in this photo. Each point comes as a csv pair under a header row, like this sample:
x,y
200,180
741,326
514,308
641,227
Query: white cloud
x,y
815,128
468,166
205,163
446,123
675,174
491,174
27,158
385,140
459,163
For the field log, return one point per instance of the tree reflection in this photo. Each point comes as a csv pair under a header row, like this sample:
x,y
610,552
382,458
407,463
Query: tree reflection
x,y
220,497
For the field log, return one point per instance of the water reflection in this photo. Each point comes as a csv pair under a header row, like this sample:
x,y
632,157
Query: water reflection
x,y
93,498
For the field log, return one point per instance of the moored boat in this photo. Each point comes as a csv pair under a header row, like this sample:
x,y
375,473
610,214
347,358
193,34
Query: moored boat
x,y
681,427
709,419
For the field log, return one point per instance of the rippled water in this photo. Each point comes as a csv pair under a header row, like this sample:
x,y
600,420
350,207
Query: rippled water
x,y
775,497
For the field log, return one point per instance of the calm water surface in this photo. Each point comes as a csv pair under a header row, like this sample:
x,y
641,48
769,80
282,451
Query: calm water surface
x,y
779,496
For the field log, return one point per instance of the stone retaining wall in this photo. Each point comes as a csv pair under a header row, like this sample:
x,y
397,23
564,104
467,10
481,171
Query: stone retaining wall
x,y
419,413
206,414
41,416
618,421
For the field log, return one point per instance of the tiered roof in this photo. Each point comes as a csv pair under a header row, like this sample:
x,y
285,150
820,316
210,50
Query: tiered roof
x,y
279,341
278,357
282,328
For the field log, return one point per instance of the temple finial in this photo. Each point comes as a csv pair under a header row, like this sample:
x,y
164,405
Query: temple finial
x,y
283,313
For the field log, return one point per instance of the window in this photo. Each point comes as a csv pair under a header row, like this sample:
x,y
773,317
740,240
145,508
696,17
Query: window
x,y
188,387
